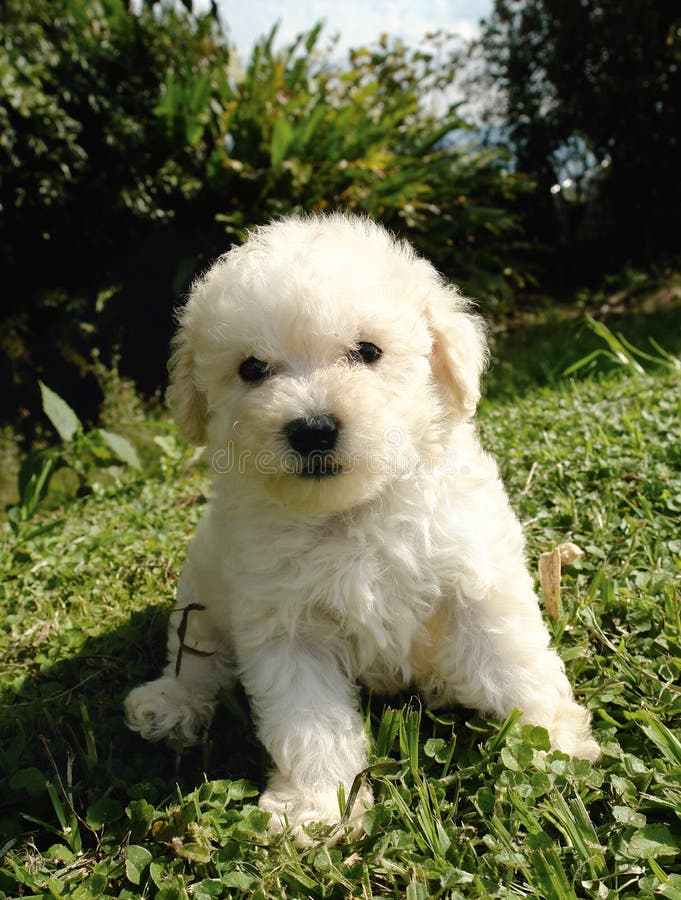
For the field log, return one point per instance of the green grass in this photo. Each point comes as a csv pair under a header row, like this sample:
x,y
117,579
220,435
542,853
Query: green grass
x,y
465,807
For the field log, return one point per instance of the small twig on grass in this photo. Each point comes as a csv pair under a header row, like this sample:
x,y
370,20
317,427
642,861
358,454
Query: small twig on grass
x,y
533,469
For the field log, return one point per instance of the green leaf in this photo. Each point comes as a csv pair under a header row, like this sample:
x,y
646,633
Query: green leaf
x,y
199,853
654,841
627,816
141,815
254,821
102,812
236,879
210,888
34,478
194,132
663,738
158,873
416,891
387,731
95,885
30,780
539,736
434,746
121,447
58,852
240,789
282,135
136,860
60,414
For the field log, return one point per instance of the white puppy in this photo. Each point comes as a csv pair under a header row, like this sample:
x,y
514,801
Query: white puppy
x,y
357,532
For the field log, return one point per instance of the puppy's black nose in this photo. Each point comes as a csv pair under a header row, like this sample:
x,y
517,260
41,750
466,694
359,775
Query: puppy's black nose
x,y
316,434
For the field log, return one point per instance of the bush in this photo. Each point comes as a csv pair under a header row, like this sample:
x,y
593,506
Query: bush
x,y
298,132
133,151
83,157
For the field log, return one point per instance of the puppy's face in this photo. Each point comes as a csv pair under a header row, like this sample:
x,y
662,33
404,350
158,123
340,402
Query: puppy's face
x,y
309,361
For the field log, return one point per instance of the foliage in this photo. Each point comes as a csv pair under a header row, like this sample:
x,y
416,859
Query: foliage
x,y
578,84
87,196
82,156
622,352
134,149
185,136
79,454
299,132
465,807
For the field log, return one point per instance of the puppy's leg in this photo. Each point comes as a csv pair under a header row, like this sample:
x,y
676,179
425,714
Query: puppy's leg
x,y
306,710
180,704
495,656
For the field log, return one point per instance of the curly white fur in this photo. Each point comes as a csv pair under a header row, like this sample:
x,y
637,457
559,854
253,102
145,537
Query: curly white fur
x,y
405,568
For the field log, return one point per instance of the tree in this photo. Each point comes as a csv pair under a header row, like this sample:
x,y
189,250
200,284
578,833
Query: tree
x,y
82,154
586,82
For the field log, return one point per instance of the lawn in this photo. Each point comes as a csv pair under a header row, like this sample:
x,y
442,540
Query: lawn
x,y
465,807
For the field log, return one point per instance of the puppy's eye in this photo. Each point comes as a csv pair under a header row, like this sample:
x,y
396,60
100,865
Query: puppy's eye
x,y
253,369
365,352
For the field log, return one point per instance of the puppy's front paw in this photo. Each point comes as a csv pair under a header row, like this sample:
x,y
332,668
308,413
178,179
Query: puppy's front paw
x,y
167,708
570,732
295,810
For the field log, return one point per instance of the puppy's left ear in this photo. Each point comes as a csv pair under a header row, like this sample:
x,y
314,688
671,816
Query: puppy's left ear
x,y
459,353
186,400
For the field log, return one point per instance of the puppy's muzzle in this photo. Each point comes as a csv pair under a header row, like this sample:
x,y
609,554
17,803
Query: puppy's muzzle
x,y
314,439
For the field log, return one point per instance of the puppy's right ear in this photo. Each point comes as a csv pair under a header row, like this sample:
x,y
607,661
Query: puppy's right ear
x,y
186,400
459,353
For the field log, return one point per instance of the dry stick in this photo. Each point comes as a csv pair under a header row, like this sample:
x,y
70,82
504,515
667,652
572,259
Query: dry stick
x,y
550,565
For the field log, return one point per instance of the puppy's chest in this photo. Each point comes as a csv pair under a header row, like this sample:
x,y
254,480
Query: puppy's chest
x,y
377,585
386,590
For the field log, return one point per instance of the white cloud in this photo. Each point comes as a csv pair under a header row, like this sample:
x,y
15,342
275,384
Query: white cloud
x,y
358,22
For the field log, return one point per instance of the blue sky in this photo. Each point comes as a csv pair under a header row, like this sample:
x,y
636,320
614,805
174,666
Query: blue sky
x,y
357,21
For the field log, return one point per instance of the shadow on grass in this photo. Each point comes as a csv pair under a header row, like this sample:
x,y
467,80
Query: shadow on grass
x,y
64,725
64,728
537,350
